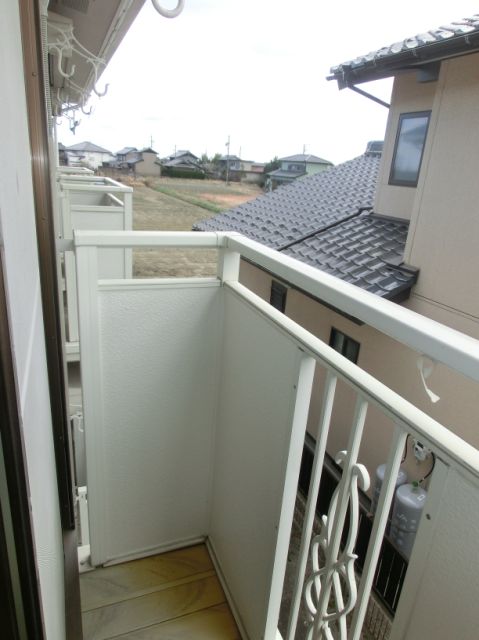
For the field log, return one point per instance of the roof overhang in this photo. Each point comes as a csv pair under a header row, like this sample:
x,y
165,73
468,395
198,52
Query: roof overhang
x,y
378,66
99,27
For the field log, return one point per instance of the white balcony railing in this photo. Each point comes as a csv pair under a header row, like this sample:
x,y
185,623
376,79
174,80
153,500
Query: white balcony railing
x,y
92,202
63,170
196,396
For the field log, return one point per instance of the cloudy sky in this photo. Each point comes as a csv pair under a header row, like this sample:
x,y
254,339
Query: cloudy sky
x,y
254,70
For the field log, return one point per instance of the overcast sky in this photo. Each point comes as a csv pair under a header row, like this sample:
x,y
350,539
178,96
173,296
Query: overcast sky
x,y
254,70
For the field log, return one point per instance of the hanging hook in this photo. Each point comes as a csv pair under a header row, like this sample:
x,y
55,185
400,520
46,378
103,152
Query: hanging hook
x,y
100,94
169,13
86,113
59,51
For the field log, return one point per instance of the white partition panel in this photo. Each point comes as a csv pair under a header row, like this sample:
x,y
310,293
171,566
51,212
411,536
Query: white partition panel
x,y
112,263
264,397
94,210
149,413
441,591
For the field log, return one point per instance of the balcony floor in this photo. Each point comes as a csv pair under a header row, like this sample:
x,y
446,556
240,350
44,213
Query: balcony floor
x,y
172,595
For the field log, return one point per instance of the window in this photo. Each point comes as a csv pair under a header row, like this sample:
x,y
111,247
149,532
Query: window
x,y
346,346
409,148
278,296
297,167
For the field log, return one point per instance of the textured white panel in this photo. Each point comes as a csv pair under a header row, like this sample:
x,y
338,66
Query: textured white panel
x,y
446,603
111,262
158,359
88,198
259,374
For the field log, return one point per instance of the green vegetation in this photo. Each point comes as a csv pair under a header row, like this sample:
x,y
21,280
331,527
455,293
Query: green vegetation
x,y
204,204
272,165
185,174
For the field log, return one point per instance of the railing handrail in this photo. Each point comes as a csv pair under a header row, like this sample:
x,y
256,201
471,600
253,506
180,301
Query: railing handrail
x,y
428,337
66,170
93,183
149,239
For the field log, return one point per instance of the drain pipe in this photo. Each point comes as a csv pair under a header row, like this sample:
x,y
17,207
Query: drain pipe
x,y
361,92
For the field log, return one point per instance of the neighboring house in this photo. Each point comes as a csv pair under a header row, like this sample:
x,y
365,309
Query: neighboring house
x,y
126,155
232,162
422,223
239,170
182,161
252,172
296,166
146,163
130,160
87,154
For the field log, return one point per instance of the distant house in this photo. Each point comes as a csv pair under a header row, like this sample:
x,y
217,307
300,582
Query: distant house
x,y
125,155
252,172
142,162
239,170
87,154
182,161
146,163
296,166
231,161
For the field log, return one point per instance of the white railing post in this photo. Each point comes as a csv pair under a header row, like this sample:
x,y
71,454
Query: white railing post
x,y
379,527
127,225
321,440
87,288
69,262
228,265
303,389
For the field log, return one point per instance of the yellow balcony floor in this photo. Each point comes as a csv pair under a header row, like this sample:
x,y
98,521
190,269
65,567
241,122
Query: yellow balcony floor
x,y
174,595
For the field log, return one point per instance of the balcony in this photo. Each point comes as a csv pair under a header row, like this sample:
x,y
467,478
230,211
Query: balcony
x,y
86,201
196,396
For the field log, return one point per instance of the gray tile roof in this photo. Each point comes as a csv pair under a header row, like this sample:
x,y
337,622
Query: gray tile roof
x,y
325,220
125,151
457,38
282,173
305,157
179,154
305,206
366,251
87,147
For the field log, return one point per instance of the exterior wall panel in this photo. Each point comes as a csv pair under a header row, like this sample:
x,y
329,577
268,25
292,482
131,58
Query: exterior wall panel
x,y
17,223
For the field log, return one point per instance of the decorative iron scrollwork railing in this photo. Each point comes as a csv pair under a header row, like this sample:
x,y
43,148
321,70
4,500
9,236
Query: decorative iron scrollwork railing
x,y
321,584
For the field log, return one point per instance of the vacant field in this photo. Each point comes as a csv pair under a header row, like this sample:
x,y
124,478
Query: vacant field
x,y
169,204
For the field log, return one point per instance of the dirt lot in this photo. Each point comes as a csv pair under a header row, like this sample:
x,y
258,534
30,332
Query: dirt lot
x,y
186,202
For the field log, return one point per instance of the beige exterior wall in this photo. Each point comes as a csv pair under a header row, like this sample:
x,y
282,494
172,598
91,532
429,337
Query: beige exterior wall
x,y
390,362
444,234
408,95
148,167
